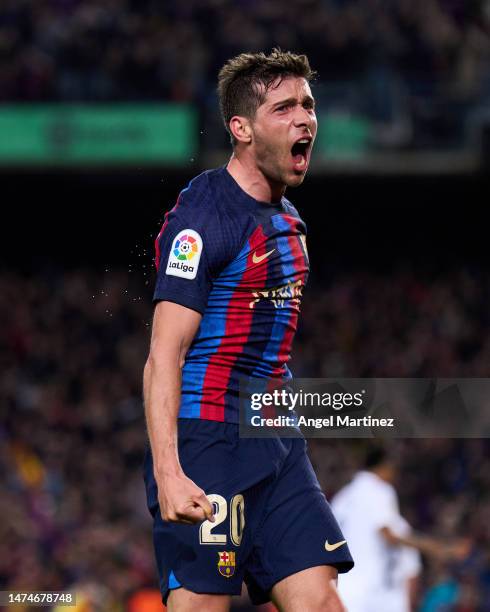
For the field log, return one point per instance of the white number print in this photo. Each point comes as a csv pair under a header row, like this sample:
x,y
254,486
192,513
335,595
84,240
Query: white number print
x,y
237,520
220,514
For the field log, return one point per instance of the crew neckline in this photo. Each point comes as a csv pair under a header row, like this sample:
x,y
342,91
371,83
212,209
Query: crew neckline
x,y
247,198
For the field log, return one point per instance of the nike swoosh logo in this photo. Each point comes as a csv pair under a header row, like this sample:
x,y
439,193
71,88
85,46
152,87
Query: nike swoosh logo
x,y
332,547
258,258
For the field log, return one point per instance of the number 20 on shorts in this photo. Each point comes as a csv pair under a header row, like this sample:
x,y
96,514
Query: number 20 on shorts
x,y
237,520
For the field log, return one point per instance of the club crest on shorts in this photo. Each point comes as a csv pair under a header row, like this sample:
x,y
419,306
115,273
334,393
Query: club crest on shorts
x,y
226,564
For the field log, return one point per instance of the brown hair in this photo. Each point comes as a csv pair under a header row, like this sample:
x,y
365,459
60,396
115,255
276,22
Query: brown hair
x,y
239,81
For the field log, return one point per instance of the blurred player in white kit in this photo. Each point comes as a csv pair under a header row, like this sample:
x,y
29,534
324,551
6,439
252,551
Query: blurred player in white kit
x,y
385,550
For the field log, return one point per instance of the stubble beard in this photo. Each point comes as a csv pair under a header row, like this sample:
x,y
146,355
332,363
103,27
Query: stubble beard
x,y
271,165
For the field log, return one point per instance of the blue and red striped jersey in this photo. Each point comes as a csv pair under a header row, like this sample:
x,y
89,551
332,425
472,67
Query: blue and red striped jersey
x,y
242,264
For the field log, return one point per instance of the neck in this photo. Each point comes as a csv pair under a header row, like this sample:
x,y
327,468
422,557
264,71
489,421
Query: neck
x,y
253,181
382,473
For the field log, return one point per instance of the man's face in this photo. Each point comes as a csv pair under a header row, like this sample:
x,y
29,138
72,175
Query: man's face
x,y
283,131
390,472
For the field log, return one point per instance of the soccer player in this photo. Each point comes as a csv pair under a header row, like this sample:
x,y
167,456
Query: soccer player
x,y
232,264
384,547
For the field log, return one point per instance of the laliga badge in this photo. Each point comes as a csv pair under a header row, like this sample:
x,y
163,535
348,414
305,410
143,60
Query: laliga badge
x,y
185,254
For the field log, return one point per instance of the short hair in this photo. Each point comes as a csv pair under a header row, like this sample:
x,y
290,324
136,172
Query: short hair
x,y
376,456
240,80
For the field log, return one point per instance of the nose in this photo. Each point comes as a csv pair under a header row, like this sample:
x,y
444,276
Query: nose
x,y
303,117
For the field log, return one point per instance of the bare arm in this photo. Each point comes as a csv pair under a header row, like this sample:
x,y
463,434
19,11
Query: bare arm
x,y
174,328
455,549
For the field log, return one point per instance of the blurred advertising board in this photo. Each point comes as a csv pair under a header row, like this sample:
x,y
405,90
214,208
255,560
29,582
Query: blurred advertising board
x,y
97,135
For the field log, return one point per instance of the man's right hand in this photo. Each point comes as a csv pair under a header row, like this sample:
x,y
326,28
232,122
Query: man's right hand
x,y
182,501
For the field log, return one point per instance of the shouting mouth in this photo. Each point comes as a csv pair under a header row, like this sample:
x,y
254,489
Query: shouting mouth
x,y
300,153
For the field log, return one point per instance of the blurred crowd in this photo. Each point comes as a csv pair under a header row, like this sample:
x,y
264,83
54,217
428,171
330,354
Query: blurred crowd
x,y
387,59
72,433
71,437
428,326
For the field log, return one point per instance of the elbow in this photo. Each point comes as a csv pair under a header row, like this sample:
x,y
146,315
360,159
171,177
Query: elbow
x,y
148,366
147,370
389,536
182,354
159,360
154,362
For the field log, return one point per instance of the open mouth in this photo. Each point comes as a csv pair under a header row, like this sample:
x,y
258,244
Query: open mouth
x,y
299,153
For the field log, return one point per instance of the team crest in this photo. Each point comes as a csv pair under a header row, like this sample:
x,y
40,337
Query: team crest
x,y
226,564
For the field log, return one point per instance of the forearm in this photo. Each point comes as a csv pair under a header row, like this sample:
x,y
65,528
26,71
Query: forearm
x,y
425,544
162,392
180,499
454,549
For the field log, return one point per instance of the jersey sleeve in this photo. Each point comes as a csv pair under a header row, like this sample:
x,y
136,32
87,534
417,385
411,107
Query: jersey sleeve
x,y
188,255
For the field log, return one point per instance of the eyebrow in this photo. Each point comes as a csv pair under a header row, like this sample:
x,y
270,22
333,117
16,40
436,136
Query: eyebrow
x,y
293,100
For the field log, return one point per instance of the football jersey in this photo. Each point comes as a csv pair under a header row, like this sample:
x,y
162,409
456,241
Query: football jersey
x,y
404,563
243,265
363,507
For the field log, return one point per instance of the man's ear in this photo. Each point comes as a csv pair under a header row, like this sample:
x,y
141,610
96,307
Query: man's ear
x,y
241,129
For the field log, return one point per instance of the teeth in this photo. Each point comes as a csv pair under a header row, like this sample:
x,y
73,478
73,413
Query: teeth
x,y
304,141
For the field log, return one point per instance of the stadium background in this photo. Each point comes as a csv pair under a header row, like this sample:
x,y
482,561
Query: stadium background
x,y
107,110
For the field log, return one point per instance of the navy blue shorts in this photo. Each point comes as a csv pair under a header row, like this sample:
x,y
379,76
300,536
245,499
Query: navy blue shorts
x,y
272,519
